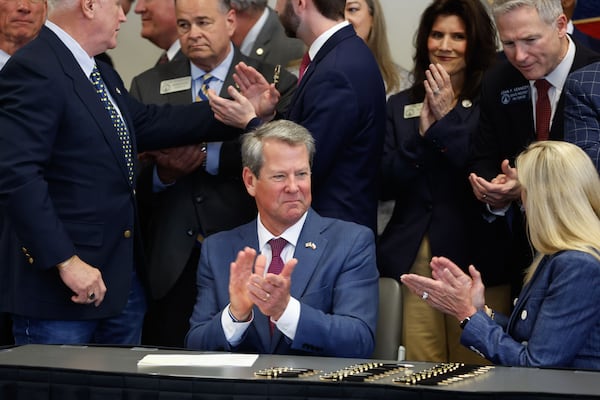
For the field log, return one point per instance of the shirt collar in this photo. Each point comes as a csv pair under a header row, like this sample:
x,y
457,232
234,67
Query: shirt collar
x,y
81,56
323,37
250,39
219,72
173,50
4,56
291,234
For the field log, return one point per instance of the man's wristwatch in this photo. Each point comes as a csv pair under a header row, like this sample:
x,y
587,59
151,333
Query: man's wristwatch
x,y
464,322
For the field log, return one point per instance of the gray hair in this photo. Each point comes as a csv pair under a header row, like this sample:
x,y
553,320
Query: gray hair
x,y
281,130
246,5
548,10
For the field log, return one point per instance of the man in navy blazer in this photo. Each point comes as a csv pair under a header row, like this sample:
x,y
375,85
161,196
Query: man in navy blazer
x,y
537,46
65,181
324,300
340,99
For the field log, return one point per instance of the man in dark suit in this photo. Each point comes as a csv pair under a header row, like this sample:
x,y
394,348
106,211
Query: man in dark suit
x,y
191,199
537,47
340,99
318,295
259,34
582,110
21,22
69,132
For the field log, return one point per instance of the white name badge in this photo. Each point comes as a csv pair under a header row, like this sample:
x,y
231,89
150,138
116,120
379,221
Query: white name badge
x,y
176,85
412,110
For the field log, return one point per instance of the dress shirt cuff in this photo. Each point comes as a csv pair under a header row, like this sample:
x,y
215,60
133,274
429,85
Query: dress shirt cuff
x,y
234,330
213,157
157,184
288,322
501,212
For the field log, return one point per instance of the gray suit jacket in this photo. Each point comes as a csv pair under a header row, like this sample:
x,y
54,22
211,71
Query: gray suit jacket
x,y
199,202
273,46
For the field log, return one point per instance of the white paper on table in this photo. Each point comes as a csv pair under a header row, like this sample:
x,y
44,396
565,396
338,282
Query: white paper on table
x,y
198,360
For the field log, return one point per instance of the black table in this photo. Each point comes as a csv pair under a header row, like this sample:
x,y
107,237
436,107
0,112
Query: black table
x,y
88,372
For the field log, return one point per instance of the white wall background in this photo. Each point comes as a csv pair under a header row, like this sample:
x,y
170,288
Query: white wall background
x,y
135,54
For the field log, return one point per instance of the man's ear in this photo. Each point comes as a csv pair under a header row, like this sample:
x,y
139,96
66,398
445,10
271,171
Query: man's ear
x,y
249,180
88,7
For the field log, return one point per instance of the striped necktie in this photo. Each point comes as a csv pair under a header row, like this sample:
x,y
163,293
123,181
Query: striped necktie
x,y
202,94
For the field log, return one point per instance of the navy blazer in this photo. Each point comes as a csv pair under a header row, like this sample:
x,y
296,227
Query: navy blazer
x,y
341,101
507,127
556,320
427,178
63,178
582,110
335,281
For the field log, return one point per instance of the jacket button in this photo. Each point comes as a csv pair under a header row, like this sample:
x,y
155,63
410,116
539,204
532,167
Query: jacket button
x,y
24,250
30,260
524,315
127,234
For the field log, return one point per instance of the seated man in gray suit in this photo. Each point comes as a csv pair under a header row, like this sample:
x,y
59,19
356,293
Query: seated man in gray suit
x,y
193,191
319,294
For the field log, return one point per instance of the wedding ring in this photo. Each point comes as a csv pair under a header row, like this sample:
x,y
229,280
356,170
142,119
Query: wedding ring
x,y
425,296
91,296
484,196
268,297
436,91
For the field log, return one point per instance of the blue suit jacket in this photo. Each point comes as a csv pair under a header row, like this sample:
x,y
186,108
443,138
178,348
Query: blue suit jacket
x,y
336,284
582,110
341,101
556,320
63,178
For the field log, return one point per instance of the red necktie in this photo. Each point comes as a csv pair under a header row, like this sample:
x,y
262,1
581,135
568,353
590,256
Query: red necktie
x,y
303,66
543,110
276,264
163,58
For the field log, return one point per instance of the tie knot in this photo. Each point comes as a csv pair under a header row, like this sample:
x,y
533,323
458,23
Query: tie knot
x,y
95,75
542,85
207,78
277,246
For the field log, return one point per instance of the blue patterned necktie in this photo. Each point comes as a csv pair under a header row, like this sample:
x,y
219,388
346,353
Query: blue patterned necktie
x,y
202,93
116,119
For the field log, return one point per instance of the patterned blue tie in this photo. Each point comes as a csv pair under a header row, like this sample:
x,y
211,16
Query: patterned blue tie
x,y
116,119
202,94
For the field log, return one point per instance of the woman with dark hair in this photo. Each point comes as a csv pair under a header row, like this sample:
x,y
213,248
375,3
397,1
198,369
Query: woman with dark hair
x,y
424,167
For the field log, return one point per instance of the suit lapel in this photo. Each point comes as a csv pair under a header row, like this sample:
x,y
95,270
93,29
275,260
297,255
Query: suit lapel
x,y
342,34
237,57
84,90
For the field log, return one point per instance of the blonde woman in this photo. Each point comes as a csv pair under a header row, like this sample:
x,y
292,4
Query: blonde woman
x,y
556,319
369,23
